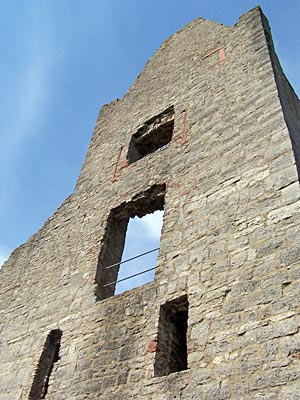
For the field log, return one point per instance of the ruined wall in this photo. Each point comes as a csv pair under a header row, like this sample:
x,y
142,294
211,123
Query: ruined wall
x,y
228,244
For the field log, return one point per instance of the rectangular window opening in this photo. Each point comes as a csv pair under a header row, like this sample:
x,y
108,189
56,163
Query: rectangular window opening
x,y
155,134
49,356
123,266
171,355
141,250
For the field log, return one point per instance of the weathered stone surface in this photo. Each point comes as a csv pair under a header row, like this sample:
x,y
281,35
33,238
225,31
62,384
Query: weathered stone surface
x,y
229,243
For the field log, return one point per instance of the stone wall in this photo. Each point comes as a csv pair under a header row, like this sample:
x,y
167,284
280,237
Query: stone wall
x,y
228,245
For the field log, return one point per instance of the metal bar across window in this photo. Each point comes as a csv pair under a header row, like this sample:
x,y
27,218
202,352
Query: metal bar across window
x,y
129,259
128,277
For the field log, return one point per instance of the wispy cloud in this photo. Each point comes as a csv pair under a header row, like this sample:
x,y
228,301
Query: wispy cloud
x,y
28,66
30,101
30,98
26,94
3,256
153,224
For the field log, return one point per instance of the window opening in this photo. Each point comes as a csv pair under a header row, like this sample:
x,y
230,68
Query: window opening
x,y
142,234
113,242
171,355
49,356
155,134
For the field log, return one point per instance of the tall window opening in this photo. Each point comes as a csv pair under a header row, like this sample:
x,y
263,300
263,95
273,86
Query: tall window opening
x,y
154,134
49,356
142,240
171,355
110,258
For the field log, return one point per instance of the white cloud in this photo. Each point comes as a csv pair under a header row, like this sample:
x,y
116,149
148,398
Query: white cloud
x,y
153,224
3,257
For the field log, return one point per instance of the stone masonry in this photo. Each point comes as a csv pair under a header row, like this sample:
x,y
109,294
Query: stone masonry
x,y
209,132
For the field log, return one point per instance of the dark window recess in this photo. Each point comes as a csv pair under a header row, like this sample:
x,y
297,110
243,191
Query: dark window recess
x,y
49,356
171,354
154,134
113,242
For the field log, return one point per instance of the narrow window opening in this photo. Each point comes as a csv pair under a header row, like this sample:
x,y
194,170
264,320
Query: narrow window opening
x,y
155,134
171,355
142,238
49,356
113,242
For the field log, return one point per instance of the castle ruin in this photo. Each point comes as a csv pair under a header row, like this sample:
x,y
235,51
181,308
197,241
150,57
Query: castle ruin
x,y
210,134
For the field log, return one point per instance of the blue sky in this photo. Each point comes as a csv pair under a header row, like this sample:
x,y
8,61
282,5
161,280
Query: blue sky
x,y
61,60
